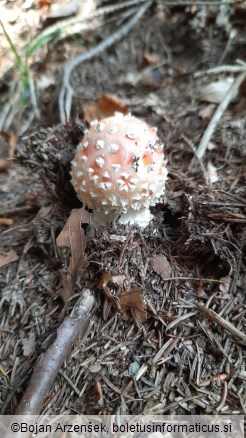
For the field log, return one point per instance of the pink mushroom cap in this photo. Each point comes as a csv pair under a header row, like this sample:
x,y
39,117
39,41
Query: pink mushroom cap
x,y
119,165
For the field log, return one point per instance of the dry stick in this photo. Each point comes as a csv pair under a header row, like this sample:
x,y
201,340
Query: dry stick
x,y
220,69
48,367
66,93
226,324
218,114
65,27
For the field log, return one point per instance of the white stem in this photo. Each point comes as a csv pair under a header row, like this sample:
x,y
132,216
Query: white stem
x,y
139,217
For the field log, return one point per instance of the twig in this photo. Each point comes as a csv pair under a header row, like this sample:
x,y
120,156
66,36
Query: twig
x,y
48,367
226,324
221,69
218,114
179,319
66,92
223,396
193,148
232,35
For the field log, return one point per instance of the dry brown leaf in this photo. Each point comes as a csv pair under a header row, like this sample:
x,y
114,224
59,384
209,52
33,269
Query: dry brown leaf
x,y
104,107
110,299
104,280
150,58
10,257
133,301
98,390
103,286
73,236
161,266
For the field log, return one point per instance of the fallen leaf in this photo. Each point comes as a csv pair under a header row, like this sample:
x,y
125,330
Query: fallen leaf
x,y
98,391
73,236
110,299
133,301
10,257
104,280
150,58
103,285
216,91
106,106
161,266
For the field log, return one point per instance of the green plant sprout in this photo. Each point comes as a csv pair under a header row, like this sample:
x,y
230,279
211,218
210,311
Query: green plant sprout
x,y
22,62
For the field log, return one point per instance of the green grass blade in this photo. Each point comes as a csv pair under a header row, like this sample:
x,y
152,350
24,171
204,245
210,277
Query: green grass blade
x,y
13,48
40,41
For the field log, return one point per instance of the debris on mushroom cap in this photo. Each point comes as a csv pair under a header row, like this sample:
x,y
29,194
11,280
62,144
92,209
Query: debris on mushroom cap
x,y
119,165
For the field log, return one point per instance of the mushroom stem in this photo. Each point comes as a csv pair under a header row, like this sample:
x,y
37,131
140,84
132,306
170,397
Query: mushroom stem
x,y
140,217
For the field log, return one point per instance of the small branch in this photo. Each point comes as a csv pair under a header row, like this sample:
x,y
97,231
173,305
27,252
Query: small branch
x,y
192,146
48,367
221,69
218,114
226,324
66,92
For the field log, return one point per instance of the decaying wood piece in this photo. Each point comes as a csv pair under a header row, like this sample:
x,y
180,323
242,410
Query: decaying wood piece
x,y
48,367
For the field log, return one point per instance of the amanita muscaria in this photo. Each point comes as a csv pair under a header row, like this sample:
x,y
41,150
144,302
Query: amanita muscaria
x,y
119,168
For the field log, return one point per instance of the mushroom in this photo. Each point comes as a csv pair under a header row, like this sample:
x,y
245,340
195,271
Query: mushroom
x,y
119,168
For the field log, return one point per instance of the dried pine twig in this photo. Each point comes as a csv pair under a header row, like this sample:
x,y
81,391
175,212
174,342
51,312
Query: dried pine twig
x,y
223,322
66,92
218,114
48,367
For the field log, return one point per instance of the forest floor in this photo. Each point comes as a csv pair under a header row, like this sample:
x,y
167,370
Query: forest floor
x,y
180,347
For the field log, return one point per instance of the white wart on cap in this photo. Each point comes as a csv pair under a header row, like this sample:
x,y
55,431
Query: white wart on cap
x,y
119,166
